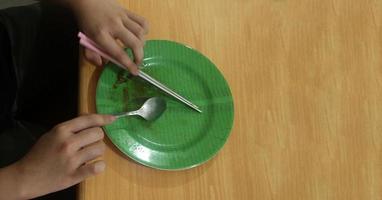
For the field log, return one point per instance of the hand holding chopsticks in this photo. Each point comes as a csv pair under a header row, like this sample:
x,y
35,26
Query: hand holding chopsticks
x,y
88,43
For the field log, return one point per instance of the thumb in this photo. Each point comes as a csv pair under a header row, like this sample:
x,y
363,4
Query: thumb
x,y
93,57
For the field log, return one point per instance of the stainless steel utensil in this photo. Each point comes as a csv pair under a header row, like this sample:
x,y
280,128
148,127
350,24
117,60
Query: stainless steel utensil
x,y
150,110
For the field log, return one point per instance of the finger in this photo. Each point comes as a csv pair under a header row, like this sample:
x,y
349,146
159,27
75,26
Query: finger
x,y
104,61
140,20
93,57
134,27
130,40
88,170
87,136
110,45
90,152
88,121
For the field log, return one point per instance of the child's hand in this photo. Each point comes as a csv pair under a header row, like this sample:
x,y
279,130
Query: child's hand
x,y
59,159
105,22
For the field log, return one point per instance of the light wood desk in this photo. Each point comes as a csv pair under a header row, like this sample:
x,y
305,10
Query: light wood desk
x,y
306,77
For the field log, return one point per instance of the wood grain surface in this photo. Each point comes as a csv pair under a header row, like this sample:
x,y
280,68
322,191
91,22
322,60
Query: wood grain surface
x,y
306,78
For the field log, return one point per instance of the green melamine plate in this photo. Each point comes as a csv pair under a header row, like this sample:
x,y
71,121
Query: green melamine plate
x,y
181,138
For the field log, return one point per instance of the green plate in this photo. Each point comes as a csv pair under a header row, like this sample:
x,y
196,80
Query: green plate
x,y
181,138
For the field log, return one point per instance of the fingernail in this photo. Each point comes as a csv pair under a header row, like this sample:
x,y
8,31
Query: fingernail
x,y
99,61
111,118
99,167
135,72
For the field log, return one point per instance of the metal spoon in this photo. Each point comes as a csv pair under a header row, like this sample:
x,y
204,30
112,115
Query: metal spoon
x,y
150,110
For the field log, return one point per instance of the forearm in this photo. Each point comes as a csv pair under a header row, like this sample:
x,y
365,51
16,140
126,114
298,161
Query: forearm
x,y
11,186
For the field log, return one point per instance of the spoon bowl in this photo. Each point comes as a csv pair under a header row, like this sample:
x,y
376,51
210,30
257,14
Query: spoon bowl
x,y
151,110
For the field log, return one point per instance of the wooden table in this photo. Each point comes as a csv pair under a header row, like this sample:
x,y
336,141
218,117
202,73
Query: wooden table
x,y
306,77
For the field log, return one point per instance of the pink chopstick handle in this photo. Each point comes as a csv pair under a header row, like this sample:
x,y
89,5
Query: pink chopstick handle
x,y
88,43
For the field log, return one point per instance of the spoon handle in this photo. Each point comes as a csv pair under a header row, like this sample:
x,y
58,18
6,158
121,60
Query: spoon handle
x,y
127,114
